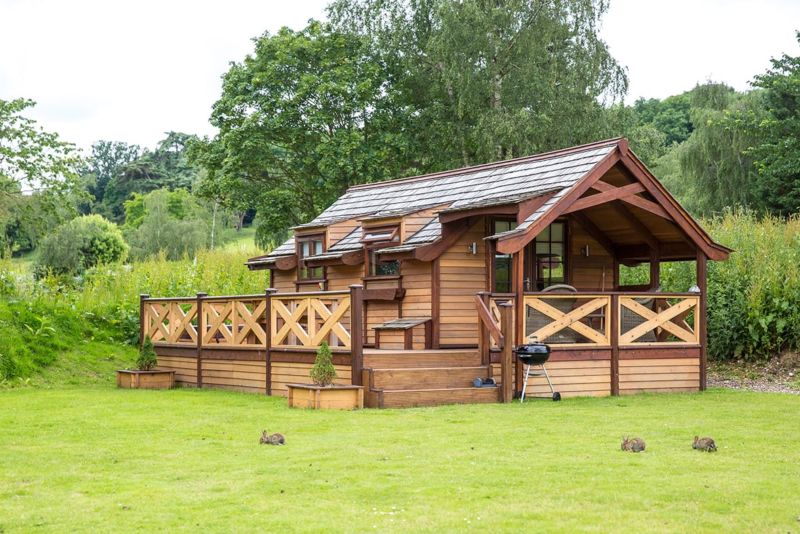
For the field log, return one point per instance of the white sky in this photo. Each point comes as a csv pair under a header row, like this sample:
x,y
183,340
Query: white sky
x,y
132,71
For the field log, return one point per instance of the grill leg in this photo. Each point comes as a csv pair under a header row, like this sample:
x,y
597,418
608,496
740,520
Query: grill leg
x,y
547,376
525,383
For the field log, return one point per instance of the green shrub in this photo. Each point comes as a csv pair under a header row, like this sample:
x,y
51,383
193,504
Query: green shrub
x,y
323,373
147,355
80,244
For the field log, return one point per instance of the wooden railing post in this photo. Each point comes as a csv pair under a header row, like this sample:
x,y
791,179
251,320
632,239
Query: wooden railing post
x,y
142,298
201,332
268,335
485,344
615,313
507,356
702,335
356,334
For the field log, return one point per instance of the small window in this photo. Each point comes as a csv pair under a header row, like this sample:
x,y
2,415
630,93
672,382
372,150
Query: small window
x,y
307,247
502,262
375,239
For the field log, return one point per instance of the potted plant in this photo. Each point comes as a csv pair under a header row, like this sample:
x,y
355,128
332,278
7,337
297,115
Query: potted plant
x,y
146,376
323,394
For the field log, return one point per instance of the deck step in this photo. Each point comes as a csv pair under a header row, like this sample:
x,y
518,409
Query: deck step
x,y
396,359
426,377
434,397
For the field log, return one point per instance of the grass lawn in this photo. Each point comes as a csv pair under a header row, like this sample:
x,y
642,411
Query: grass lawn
x,y
100,459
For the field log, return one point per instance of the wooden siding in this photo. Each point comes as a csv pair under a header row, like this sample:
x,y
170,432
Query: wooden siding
x,y
462,275
284,280
341,277
592,273
659,375
185,369
338,230
237,375
576,378
290,373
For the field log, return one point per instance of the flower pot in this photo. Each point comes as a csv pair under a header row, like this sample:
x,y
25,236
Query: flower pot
x,y
155,379
325,397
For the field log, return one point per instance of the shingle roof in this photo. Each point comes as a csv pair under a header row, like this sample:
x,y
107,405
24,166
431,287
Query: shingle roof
x,y
483,185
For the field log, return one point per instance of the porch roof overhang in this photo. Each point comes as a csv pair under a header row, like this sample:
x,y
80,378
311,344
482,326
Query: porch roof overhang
x,y
281,263
590,192
344,257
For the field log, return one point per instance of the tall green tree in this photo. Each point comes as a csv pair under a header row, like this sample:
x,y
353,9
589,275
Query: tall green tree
x,y
107,160
777,152
492,80
33,162
308,114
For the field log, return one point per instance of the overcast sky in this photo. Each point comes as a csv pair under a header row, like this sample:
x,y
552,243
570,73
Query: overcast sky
x,y
134,70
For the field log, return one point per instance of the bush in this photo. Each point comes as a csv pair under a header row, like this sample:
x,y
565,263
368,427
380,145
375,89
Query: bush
x,y
81,244
323,373
147,356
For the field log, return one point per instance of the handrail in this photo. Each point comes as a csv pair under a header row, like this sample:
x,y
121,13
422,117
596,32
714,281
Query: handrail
x,y
488,321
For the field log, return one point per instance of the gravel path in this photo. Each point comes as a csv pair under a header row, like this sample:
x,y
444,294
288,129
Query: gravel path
x,y
752,385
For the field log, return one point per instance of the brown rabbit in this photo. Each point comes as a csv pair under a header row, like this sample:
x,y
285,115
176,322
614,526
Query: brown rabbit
x,y
704,444
274,439
632,445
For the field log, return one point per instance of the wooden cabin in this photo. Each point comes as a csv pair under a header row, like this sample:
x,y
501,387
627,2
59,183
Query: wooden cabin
x,y
422,284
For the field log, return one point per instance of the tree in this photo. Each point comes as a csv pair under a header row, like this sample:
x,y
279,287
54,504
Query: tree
x,y
307,115
777,152
107,160
80,244
33,160
492,80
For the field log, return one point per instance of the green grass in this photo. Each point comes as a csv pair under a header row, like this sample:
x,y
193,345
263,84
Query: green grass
x,y
100,459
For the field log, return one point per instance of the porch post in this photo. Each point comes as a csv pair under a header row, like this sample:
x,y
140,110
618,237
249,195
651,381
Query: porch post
x,y
143,297
356,334
507,357
201,332
615,312
702,335
655,269
268,336
519,312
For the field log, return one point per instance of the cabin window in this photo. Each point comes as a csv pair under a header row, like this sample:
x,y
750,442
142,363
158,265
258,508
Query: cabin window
x,y
548,256
503,262
375,239
306,247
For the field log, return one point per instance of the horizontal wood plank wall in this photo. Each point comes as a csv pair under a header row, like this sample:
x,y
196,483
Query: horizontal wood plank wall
x,y
658,374
289,372
576,378
284,280
417,301
185,368
413,222
337,231
379,312
237,375
341,277
463,274
591,273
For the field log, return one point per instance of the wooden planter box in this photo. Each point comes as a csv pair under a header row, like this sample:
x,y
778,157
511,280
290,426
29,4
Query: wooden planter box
x,y
135,379
325,398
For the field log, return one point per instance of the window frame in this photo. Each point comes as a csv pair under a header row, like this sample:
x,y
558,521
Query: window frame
x,y
532,258
389,236
301,268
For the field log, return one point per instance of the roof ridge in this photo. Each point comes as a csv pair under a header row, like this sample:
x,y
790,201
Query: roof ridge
x,y
492,165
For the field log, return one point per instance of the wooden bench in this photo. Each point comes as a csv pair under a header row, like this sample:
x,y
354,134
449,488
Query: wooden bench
x,y
406,325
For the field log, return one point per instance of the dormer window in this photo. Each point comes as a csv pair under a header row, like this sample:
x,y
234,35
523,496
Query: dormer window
x,y
308,246
375,239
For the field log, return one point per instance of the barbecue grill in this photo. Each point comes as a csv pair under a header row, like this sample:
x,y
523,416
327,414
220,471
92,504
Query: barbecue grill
x,y
535,354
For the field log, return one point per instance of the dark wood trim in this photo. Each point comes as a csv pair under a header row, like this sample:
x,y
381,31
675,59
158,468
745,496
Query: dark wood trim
x,y
286,263
615,344
517,241
610,195
271,279
577,355
637,225
637,201
378,278
356,339
289,357
518,313
142,298
659,353
387,294
702,283
235,355
268,332
498,209
436,303
675,251
451,233
655,269
529,206
176,352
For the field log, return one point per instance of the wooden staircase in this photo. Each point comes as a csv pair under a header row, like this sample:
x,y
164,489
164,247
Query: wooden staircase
x,y
404,378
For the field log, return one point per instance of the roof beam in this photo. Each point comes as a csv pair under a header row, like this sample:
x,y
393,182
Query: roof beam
x,y
450,234
637,225
528,207
634,200
609,195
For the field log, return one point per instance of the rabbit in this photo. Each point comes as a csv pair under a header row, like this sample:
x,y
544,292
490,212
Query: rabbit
x,y
632,445
274,439
704,444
